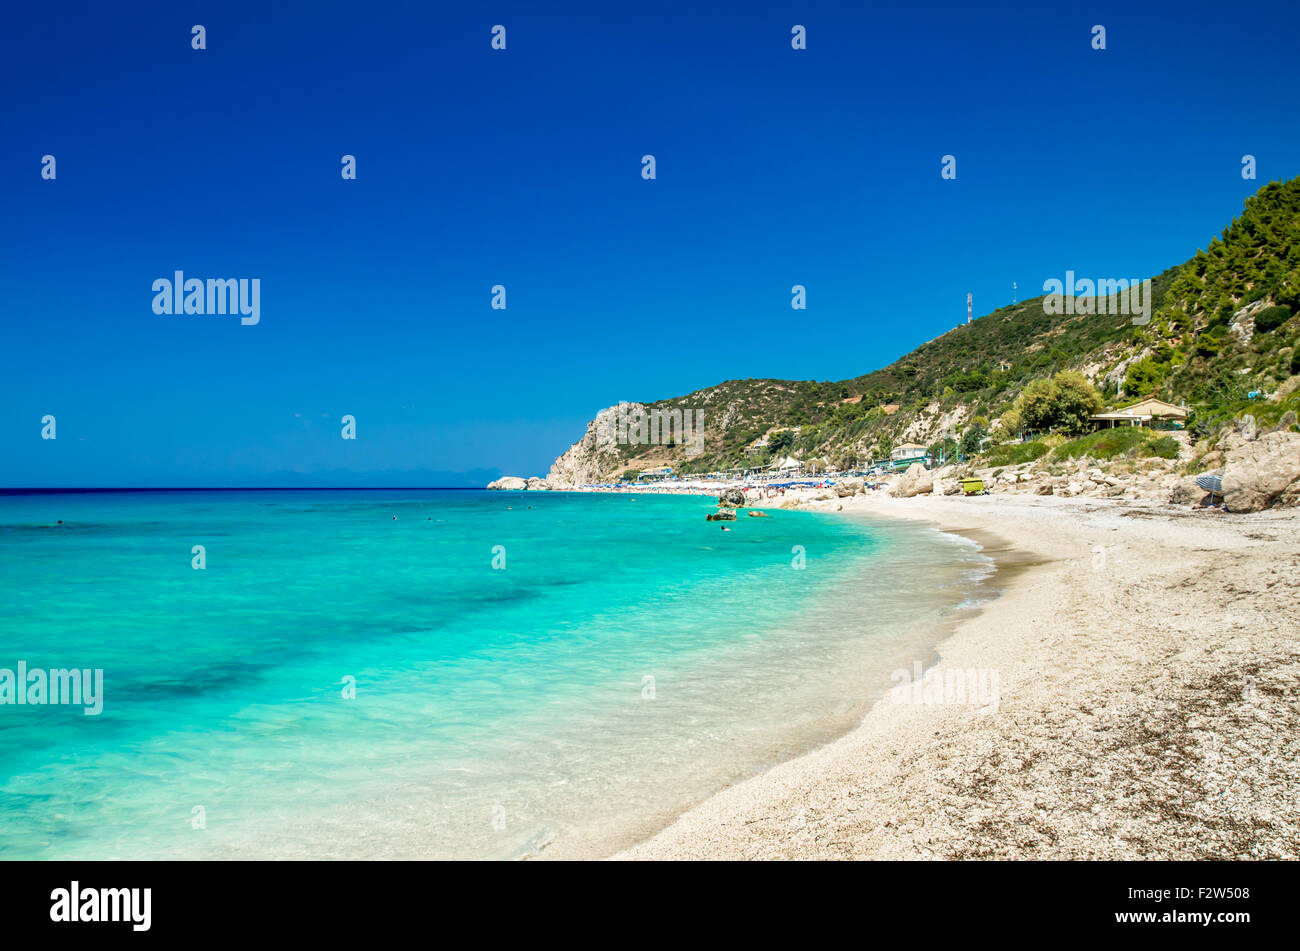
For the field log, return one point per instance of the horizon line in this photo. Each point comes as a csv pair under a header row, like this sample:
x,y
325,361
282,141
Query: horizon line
x,y
241,488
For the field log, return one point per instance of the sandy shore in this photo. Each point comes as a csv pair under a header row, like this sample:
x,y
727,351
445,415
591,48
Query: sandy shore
x,y
1148,670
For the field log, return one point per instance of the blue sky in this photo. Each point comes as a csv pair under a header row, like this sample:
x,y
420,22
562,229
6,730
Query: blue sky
x,y
522,167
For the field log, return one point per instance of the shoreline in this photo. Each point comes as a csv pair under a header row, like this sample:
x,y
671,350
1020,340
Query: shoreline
x,y
1134,721
896,647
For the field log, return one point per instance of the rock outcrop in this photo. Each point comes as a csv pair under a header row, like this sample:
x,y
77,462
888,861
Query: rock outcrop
x,y
1187,492
516,484
915,481
1243,321
595,455
732,497
849,487
1263,473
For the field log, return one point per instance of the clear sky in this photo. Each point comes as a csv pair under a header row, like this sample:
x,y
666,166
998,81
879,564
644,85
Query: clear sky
x,y
522,168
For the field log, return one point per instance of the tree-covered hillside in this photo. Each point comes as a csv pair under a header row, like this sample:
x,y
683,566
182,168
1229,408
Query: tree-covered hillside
x,y
1222,337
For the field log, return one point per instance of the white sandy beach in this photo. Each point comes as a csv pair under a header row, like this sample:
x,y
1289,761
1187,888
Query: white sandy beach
x,y
1148,662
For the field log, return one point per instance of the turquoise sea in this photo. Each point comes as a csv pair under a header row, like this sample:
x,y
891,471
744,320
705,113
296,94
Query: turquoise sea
x,y
628,659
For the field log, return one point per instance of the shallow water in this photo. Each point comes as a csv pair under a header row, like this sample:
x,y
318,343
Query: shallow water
x,y
628,659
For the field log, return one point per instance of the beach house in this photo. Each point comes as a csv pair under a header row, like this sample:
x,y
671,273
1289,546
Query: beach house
x,y
908,453
1147,412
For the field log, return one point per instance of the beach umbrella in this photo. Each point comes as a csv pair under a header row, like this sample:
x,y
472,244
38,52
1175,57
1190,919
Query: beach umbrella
x,y
1212,484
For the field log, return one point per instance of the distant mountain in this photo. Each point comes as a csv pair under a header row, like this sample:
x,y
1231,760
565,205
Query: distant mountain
x,y
1217,328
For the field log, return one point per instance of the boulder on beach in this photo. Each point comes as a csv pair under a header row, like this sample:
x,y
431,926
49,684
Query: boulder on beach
x,y
1263,473
1241,432
1187,492
917,480
508,484
849,487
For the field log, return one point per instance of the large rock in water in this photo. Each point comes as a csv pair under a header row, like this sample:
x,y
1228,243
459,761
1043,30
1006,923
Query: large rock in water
x,y
734,497
916,481
509,483
1263,473
536,484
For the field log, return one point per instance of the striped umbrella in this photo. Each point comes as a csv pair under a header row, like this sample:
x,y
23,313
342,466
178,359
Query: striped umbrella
x,y
1212,484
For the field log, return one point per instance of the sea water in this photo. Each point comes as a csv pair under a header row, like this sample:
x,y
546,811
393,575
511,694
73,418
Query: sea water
x,y
432,674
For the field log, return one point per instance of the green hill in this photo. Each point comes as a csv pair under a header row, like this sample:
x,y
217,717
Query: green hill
x,y
1223,326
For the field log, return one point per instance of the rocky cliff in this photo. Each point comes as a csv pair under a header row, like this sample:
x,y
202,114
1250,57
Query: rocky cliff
x,y
595,457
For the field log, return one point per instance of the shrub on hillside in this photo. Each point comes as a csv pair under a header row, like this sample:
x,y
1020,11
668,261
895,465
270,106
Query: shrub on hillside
x,y
1145,376
1208,345
970,443
1132,441
1270,318
1062,403
1013,454
1166,447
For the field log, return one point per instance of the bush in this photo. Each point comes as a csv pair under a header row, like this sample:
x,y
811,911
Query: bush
x,y
1133,441
1063,402
780,441
970,443
1208,345
1270,318
1165,447
1013,454
1145,376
